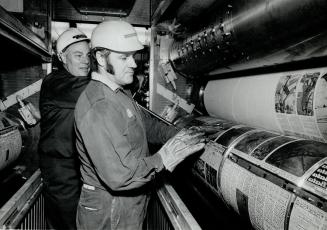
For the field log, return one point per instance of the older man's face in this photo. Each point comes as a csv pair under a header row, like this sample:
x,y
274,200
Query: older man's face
x,y
76,58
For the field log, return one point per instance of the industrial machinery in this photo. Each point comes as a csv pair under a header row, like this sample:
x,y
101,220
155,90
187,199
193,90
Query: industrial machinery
x,y
252,75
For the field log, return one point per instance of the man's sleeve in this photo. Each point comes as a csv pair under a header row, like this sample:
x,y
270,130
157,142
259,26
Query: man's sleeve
x,y
110,151
157,131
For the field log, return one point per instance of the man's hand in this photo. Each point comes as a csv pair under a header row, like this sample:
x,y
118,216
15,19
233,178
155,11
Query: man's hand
x,y
183,144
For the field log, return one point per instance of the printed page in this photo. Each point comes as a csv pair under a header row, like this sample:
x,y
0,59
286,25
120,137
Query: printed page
x,y
212,158
320,105
290,103
268,205
307,216
233,177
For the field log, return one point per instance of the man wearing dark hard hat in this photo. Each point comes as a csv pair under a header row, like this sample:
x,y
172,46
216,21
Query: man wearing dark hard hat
x,y
112,134
58,156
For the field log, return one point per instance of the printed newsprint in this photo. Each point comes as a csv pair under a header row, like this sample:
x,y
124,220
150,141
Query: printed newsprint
x,y
291,103
264,203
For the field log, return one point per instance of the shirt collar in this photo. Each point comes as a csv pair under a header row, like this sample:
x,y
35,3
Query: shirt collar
x,y
105,80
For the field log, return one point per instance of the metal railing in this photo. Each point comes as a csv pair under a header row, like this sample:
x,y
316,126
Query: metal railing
x,y
167,211
25,209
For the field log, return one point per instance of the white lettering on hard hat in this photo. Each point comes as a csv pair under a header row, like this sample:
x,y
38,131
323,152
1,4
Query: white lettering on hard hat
x,y
78,36
129,35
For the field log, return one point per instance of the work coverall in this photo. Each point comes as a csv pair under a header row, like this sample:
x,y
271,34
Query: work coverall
x,y
58,156
112,135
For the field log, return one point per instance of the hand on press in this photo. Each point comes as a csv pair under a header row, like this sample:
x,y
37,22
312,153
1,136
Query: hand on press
x,y
183,144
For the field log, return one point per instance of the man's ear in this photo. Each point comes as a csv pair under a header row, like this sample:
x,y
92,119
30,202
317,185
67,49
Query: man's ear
x,y
62,57
100,58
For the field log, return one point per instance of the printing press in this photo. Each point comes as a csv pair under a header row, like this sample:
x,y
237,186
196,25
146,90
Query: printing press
x,y
251,75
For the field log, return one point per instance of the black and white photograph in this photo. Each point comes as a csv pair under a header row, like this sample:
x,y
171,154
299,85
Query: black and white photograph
x,y
270,145
299,156
305,94
252,140
163,114
285,98
230,135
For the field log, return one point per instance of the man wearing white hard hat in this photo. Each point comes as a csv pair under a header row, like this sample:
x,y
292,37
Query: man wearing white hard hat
x,y
113,134
57,150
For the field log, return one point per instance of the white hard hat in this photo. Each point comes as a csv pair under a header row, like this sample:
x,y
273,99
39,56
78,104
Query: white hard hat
x,y
70,36
117,36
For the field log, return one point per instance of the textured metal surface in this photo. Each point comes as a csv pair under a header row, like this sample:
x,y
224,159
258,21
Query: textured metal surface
x,y
25,209
191,9
156,217
34,218
167,211
63,10
247,30
104,7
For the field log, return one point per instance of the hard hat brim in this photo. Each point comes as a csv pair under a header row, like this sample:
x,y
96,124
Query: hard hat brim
x,y
80,40
128,49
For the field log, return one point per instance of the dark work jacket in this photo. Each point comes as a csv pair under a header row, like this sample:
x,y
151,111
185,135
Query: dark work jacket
x,y
59,93
58,156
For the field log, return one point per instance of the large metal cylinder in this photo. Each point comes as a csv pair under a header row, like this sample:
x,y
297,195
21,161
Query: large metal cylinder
x,y
191,9
248,30
274,181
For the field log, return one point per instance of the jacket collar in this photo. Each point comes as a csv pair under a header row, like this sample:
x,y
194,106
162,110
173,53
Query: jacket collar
x,y
112,85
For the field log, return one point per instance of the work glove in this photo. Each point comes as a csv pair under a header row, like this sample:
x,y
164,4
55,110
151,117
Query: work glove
x,y
183,144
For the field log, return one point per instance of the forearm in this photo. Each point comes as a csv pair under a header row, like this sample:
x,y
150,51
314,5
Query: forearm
x,y
157,131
